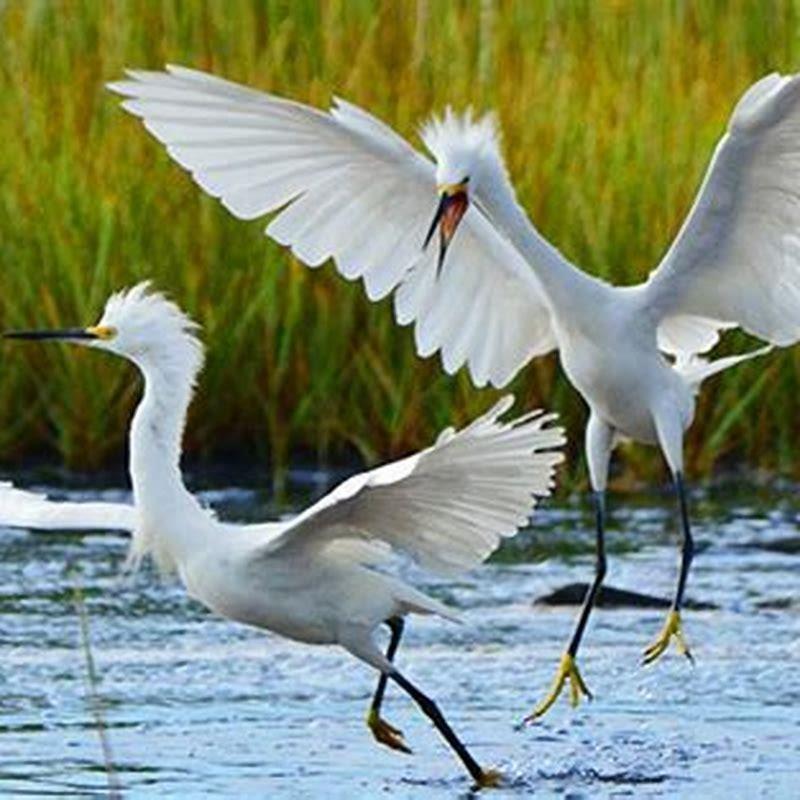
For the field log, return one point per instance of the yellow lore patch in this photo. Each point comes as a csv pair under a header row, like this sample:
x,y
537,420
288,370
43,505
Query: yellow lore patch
x,y
104,332
450,189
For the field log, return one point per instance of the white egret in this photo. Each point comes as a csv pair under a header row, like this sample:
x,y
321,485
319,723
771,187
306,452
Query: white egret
x,y
349,188
311,578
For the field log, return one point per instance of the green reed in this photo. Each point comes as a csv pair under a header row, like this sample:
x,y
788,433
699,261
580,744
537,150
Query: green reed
x,y
610,111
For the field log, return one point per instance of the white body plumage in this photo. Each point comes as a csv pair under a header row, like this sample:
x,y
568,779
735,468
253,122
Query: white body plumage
x,y
310,578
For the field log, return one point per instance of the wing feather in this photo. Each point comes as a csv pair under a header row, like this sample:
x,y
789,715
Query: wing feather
x,y
447,506
347,187
736,260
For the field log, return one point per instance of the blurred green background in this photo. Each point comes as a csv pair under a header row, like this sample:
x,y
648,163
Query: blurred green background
x,y
610,112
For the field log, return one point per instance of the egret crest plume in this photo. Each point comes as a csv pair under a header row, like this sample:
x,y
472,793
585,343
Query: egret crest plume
x,y
459,141
152,327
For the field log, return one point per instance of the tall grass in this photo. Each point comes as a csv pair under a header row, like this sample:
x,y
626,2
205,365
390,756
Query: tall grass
x,y
610,112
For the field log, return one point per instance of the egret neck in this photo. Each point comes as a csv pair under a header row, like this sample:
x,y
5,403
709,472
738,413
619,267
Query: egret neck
x,y
563,284
155,445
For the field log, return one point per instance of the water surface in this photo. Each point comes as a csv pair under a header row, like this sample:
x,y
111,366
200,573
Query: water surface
x,y
194,705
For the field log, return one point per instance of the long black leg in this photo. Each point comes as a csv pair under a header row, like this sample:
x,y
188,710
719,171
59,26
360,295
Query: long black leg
x,y
672,627
687,543
396,625
599,574
431,710
382,731
568,669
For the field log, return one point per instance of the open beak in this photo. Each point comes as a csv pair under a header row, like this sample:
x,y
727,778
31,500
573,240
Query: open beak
x,y
453,204
63,335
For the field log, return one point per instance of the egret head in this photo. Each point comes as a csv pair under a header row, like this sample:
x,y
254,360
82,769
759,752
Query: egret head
x,y
140,325
466,150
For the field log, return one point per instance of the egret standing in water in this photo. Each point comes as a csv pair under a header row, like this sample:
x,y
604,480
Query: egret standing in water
x,y
311,578
349,188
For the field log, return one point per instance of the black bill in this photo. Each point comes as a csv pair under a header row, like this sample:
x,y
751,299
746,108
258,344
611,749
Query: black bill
x,y
452,207
66,335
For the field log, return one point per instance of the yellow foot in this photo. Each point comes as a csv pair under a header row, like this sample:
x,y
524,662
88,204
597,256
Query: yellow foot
x,y
672,628
567,671
490,779
385,733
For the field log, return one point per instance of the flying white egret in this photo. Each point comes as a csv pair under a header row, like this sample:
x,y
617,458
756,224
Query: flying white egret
x,y
349,188
311,578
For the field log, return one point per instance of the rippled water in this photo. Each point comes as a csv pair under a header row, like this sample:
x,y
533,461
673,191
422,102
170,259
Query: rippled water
x,y
195,705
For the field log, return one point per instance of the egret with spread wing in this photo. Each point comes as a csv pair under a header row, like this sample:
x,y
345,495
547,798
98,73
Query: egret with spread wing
x,y
347,187
310,579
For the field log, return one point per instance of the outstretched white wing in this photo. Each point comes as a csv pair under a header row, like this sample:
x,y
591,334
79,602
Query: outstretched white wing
x,y
23,509
349,188
447,506
736,260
